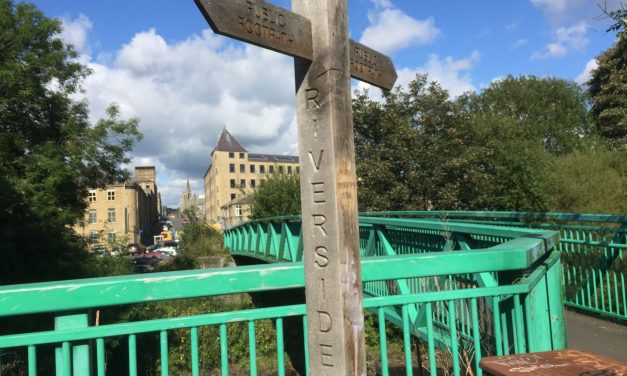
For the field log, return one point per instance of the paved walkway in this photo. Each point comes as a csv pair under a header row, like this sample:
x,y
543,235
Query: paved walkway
x,y
598,336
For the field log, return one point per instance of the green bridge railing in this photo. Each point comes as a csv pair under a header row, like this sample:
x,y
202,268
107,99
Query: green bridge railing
x,y
443,309
491,290
592,246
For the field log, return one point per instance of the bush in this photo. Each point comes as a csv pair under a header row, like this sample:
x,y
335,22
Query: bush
x,y
278,196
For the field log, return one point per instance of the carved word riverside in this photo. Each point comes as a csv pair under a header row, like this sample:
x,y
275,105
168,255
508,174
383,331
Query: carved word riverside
x,y
264,23
320,248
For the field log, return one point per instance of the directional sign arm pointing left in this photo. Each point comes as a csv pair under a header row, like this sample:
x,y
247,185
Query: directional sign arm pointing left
x,y
261,24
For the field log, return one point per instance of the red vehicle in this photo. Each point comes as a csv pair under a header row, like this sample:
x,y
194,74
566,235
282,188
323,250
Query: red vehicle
x,y
185,221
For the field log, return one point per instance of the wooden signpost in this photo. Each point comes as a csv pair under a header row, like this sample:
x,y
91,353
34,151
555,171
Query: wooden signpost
x,y
316,35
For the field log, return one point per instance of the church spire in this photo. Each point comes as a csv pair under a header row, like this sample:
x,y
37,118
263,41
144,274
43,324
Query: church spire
x,y
188,187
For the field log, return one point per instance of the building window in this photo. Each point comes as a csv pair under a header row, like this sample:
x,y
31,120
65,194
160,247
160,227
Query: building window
x,y
271,169
238,211
110,195
241,155
242,168
297,170
111,215
280,169
232,167
147,186
91,197
93,237
252,168
231,155
242,183
289,169
111,237
252,183
233,183
233,196
92,216
262,169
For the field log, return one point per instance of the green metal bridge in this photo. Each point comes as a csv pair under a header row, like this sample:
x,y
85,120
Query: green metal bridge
x,y
461,284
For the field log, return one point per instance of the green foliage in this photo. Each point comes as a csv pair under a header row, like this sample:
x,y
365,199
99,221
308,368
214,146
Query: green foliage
x,y
179,340
620,18
49,153
106,265
547,112
199,239
490,151
608,94
278,195
591,181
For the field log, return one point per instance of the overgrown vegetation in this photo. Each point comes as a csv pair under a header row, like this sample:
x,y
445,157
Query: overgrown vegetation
x,y
278,195
513,146
179,340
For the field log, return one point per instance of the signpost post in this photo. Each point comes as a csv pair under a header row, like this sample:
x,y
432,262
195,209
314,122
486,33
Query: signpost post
x,y
316,35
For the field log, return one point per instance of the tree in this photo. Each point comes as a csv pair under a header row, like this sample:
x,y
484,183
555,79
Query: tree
x,y
420,149
279,195
608,93
50,154
403,144
549,112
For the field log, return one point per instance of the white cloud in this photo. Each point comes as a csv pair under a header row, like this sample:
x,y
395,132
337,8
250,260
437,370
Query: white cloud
x,y
519,43
564,12
573,36
185,92
75,32
584,76
565,39
451,74
550,51
512,27
391,29
555,7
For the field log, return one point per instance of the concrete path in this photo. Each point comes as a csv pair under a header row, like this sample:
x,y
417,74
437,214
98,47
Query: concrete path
x,y
598,336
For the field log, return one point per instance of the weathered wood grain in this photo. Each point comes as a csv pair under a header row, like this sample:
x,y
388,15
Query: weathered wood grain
x,y
329,194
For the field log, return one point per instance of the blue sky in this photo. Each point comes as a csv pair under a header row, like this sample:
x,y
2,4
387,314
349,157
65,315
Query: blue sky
x,y
159,61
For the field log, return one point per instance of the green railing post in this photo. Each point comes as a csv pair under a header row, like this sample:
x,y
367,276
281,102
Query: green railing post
x,y
537,315
555,291
80,361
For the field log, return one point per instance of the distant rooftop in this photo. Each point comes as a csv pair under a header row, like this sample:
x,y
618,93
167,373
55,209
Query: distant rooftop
x,y
228,143
273,158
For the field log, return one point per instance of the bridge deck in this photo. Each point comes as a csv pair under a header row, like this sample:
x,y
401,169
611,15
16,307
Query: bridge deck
x,y
596,335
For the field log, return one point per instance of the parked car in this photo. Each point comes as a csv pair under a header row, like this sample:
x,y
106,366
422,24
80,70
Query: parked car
x,y
135,248
166,249
171,243
144,264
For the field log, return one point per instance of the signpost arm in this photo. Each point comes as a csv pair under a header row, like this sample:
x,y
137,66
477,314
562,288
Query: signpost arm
x,y
329,194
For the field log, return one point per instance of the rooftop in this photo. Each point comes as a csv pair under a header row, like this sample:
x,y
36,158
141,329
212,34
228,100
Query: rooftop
x,y
228,143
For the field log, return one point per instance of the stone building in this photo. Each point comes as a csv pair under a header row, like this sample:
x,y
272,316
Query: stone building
x,y
129,209
233,173
235,211
192,201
